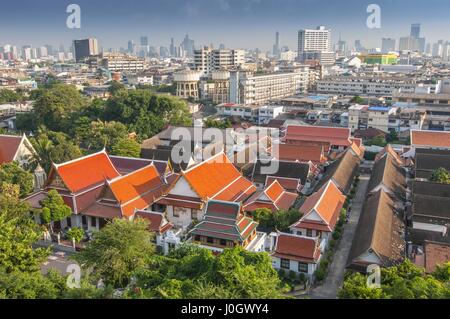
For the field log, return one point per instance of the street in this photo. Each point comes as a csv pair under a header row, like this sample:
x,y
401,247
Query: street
x,y
329,288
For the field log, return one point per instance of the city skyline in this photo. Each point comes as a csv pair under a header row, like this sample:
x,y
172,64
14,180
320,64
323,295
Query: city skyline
x,y
217,22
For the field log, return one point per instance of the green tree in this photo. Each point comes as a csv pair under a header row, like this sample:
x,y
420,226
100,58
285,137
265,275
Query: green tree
x,y
103,134
53,208
75,233
404,281
117,250
281,220
12,173
10,96
126,147
357,99
377,141
18,232
53,106
440,175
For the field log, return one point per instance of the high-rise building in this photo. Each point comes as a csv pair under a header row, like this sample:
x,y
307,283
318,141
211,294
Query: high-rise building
x,y
85,48
131,46
144,41
276,46
415,30
172,47
188,46
314,40
387,45
315,44
358,46
207,60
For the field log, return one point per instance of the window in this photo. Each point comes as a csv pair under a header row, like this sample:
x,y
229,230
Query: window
x,y
303,267
210,240
93,222
223,242
69,222
194,214
83,220
197,238
285,263
309,233
176,212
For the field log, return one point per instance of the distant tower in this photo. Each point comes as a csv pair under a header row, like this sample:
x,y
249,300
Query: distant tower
x,y
276,47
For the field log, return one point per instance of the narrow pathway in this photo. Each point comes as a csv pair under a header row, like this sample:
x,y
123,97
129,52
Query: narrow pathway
x,y
329,288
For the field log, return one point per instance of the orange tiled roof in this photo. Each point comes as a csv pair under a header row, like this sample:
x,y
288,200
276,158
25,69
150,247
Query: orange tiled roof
x,y
137,190
358,150
327,202
218,178
430,138
87,171
279,198
8,147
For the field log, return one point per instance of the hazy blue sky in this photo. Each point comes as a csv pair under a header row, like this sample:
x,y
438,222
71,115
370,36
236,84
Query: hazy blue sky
x,y
236,23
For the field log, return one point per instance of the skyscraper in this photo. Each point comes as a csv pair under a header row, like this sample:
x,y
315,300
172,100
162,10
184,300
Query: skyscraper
x,y
388,44
188,46
85,48
415,30
144,41
131,46
315,44
172,47
276,46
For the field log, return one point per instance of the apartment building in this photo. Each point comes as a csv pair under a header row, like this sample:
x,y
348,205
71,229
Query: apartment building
x,y
259,114
378,86
315,44
257,89
207,60
122,63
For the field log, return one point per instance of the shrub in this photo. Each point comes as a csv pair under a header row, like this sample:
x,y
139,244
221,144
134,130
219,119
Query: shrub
x,y
76,233
336,235
281,273
292,275
319,274
302,278
332,243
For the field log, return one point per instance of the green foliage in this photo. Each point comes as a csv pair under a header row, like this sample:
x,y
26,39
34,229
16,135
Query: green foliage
x,y
12,173
392,137
101,135
18,233
280,220
212,123
376,141
440,175
126,147
370,156
117,250
75,233
405,281
10,96
54,147
190,272
27,285
54,106
357,99
53,208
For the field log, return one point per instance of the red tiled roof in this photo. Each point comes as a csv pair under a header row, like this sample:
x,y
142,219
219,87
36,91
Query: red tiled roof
x,y
327,202
87,171
290,184
8,147
333,135
430,138
181,201
297,248
299,153
157,221
435,254
218,178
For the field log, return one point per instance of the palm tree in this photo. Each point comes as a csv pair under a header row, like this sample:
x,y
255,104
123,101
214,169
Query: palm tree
x,y
43,146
